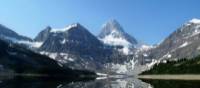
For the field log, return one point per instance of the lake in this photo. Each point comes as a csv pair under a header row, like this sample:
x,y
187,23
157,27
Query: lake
x,y
127,82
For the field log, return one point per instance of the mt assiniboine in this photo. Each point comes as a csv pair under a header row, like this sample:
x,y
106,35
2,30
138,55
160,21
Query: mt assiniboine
x,y
112,51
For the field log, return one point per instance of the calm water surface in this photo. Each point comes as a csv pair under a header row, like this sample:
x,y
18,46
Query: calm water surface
x,y
128,82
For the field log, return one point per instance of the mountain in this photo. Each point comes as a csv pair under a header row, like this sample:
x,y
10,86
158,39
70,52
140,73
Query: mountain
x,y
11,36
74,37
113,50
17,59
76,47
73,46
113,34
182,43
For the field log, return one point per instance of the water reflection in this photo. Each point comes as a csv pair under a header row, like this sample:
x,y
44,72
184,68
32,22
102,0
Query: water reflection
x,y
128,82
68,83
21,82
110,83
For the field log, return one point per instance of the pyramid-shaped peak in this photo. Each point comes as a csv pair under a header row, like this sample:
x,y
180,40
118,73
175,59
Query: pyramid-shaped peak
x,y
113,34
112,25
113,21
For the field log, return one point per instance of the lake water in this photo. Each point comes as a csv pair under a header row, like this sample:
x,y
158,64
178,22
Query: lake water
x,y
129,82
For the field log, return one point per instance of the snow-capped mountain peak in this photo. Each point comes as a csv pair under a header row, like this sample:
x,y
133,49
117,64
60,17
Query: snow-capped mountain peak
x,y
113,34
192,22
190,28
113,25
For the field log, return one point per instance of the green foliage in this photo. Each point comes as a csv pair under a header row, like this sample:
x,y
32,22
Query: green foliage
x,y
182,66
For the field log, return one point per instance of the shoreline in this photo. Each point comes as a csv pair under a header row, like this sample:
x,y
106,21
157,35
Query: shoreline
x,y
170,77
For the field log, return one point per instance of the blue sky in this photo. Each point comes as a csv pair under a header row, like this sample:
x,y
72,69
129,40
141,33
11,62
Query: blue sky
x,y
147,20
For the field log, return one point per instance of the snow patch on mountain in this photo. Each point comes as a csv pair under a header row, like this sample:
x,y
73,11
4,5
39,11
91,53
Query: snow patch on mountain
x,y
125,50
145,47
124,68
63,41
191,28
119,68
66,58
51,55
195,21
196,32
184,45
26,42
115,41
166,56
31,44
64,29
150,65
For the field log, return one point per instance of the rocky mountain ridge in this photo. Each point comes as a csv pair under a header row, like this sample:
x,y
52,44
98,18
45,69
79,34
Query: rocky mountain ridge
x,y
113,50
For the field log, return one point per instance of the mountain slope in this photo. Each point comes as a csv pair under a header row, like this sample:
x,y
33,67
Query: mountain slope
x,y
184,42
20,60
11,36
8,33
